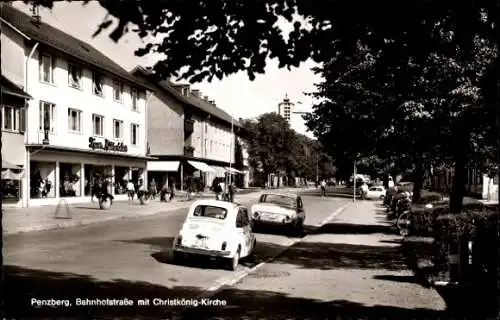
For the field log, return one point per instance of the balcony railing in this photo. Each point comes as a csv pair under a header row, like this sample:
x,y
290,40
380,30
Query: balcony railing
x,y
188,126
188,151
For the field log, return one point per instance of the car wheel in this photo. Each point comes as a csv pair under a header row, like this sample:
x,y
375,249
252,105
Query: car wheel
x,y
177,256
235,261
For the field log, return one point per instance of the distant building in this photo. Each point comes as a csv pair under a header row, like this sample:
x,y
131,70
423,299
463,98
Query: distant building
x,y
293,116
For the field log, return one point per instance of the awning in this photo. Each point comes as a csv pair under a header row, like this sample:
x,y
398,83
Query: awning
x,y
233,170
8,165
201,166
10,88
170,166
220,171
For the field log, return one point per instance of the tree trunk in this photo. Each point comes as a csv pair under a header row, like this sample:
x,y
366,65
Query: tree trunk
x,y
458,184
418,180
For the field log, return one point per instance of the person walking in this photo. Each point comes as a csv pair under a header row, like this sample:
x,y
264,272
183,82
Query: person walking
x,y
130,191
231,190
323,188
364,190
153,189
172,190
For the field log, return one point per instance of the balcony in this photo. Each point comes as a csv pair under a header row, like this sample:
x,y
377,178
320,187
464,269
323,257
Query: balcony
x,y
188,126
188,151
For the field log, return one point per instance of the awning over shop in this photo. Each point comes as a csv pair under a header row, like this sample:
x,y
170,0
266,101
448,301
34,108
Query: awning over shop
x,y
201,166
8,174
233,170
8,165
170,166
220,171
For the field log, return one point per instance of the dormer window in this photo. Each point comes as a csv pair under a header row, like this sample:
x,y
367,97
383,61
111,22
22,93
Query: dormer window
x,y
74,76
98,84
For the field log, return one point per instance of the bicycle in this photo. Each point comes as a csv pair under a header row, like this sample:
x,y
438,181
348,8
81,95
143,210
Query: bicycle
x,y
403,223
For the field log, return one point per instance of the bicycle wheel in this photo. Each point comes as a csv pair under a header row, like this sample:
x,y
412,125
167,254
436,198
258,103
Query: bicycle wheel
x,y
403,224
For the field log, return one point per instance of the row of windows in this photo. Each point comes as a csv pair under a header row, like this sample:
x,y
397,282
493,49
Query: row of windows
x,y
75,73
212,147
11,118
75,119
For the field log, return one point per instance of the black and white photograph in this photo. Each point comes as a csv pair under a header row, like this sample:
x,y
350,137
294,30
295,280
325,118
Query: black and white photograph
x,y
236,159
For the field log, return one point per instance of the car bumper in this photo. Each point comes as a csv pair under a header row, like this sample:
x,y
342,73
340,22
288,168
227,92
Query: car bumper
x,y
277,222
202,252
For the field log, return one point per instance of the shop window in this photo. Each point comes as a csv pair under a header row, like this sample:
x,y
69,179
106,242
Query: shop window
x,y
11,185
69,180
74,76
134,139
42,180
92,175
47,116
74,120
121,179
10,118
98,125
98,84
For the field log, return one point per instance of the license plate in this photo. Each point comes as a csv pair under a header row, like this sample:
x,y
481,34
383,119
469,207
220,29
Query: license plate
x,y
270,216
200,243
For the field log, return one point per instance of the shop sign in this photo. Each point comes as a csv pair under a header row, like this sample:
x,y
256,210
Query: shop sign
x,y
107,145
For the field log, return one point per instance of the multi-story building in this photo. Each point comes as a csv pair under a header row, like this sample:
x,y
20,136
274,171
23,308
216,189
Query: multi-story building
x,y
188,134
87,117
13,107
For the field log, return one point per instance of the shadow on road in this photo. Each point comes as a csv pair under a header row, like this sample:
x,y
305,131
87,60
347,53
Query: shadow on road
x,y
23,284
250,304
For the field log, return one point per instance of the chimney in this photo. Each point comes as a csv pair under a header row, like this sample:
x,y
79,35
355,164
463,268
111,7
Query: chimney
x,y
196,92
205,98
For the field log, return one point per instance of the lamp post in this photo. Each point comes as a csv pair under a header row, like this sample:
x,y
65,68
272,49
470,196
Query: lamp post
x,y
231,148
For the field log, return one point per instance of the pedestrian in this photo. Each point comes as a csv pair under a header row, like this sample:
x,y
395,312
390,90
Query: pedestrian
x,y
364,190
130,191
323,188
172,190
152,188
222,190
231,188
164,191
107,190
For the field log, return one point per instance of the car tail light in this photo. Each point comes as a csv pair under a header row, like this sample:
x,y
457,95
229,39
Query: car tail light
x,y
256,214
179,240
287,218
224,245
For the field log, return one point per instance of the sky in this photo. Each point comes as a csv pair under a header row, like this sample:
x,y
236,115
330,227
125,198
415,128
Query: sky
x,y
235,94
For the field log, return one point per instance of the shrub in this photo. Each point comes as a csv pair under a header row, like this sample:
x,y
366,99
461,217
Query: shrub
x,y
429,197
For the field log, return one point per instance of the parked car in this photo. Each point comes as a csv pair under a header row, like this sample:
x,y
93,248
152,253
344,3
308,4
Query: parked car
x,y
279,210
217,229
376,192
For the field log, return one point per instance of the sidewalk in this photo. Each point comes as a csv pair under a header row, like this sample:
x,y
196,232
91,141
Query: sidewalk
x,y
19,220
351,268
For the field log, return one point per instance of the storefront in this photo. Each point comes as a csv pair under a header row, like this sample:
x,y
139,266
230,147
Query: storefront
x,y
57,173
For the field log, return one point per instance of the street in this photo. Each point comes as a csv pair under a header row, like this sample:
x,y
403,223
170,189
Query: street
x,y
124,259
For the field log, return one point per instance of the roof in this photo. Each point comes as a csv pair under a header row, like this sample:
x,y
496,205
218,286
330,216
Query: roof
x,y
190,100
216,203
61,41
10,88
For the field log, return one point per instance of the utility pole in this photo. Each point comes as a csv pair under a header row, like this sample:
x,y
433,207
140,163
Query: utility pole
x,y
231,152
317,167
354,180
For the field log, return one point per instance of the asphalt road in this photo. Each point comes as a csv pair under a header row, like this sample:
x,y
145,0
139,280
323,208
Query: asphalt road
x,y
122,259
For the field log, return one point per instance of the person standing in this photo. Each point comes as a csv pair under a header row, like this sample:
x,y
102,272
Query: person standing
x,y
222,189
323,188
364,190
172,190
231,190
130,191
152,189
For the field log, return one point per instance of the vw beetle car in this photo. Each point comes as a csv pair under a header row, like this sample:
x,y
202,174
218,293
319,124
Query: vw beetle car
x,y
376,192
279,210
217,229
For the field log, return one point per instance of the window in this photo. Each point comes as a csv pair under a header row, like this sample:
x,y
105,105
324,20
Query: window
x,y
10,118
74,76
134,96
98,124
117,129
210,212
206,146
117,91
74,120
211,146
46,68
98,84
206,127
47,116
134,133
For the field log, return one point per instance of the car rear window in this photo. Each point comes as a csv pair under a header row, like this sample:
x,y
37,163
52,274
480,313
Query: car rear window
x,y
210,212
279,200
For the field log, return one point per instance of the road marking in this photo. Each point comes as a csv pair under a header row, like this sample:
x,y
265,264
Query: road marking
x,y
239,275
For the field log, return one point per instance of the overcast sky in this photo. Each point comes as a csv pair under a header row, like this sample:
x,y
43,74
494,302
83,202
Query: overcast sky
x,y
236,94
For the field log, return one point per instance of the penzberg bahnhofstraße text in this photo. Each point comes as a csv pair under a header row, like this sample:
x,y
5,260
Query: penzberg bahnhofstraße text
x,y
125,302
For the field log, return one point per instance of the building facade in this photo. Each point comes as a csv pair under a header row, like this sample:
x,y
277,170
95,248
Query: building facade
x,y
13,107
87,117
192,139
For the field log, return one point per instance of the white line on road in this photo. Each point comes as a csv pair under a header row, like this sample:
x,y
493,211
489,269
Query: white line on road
x,y
238,276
